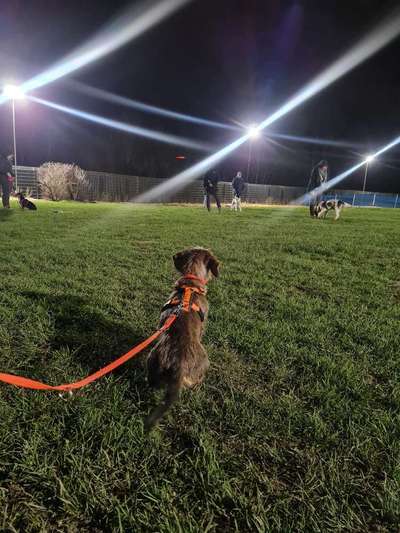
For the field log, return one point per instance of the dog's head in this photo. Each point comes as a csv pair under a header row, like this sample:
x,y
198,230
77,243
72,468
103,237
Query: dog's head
x,y
19,195
197,261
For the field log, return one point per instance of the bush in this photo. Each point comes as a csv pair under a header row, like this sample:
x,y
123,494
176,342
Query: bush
x,y
61,181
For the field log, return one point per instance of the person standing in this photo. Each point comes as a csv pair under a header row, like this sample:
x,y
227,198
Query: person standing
x,y
5,172
11,174
319,176
210,183
238,186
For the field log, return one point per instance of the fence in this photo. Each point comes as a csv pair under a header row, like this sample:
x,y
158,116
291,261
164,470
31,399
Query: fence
x,y
27,181
366,199
122,188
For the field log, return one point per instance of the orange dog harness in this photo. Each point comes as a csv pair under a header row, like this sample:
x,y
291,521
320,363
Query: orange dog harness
x,y
184,300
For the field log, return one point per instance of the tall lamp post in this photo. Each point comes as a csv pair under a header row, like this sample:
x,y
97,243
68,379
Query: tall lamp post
x,y
253,132
368,160
13,92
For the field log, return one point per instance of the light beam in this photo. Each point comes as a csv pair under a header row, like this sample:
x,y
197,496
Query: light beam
x,y
147,108
112,98
315,140
129,128
127,26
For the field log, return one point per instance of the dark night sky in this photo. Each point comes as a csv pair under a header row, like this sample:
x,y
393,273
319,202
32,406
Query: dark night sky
x,y
225,60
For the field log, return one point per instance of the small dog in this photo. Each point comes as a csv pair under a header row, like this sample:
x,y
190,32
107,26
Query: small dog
x,y
329,205
24,202
236,204
179,359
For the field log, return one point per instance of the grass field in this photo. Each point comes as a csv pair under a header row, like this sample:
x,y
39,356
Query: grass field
x,y
297,427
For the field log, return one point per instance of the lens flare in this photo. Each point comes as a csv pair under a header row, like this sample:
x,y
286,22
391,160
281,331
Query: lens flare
x,y
128,25
315,140
369,45
129,128
147,108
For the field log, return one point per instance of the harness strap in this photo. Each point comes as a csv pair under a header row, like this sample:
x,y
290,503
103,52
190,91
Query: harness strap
x,y
186,301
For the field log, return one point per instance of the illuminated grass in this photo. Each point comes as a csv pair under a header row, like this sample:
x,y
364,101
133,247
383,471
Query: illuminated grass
x,y
297,425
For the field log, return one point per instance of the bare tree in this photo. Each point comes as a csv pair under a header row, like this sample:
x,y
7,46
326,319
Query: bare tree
x,y
77,182
61,181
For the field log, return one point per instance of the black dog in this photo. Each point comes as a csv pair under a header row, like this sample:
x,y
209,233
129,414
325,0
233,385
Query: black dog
x,y
24,202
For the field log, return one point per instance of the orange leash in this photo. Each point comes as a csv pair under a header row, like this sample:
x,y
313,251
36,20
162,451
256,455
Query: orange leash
x,y
32,384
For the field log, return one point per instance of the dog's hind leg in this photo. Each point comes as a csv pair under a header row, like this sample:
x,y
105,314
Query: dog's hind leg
x,y
171,396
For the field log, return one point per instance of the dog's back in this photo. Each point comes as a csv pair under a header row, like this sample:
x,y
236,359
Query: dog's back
x,y
178,356
179,359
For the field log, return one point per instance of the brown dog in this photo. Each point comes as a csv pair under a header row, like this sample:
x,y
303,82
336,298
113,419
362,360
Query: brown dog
x,y
179,360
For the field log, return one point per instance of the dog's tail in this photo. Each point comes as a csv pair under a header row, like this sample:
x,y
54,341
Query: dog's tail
x,y
171,396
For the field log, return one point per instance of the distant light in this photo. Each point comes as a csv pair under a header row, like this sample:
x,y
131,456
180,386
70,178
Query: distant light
x,y
369,158
14,92
180,157
253,131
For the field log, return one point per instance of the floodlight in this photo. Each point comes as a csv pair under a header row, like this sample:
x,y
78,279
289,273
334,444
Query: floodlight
x,y
369,158
13,92
253,131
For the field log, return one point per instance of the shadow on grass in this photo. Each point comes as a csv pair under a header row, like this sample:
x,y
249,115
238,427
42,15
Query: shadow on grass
x,y
5,214
91,338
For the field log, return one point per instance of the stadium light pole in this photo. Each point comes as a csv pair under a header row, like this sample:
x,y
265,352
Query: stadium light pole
x,y
13,92
253,132
368,160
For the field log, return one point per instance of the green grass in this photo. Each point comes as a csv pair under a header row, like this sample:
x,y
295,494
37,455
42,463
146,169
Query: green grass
x,y
297,427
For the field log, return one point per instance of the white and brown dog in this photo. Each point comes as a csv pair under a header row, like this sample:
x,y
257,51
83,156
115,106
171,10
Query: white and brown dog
x,y
330,205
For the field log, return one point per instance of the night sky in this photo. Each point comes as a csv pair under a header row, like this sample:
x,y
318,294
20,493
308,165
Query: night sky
x,y
232,61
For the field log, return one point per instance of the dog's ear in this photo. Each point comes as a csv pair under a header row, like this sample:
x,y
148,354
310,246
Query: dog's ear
x,y
213,264
180,259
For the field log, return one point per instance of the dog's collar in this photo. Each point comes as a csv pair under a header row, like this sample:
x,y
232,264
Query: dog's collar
x,y
195,278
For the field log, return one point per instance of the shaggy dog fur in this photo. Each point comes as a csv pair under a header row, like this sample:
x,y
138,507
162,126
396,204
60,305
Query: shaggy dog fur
x,y
179,360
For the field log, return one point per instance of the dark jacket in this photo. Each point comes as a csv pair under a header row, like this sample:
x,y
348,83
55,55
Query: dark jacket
x,y
316,178
210,181
238,185
5,166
